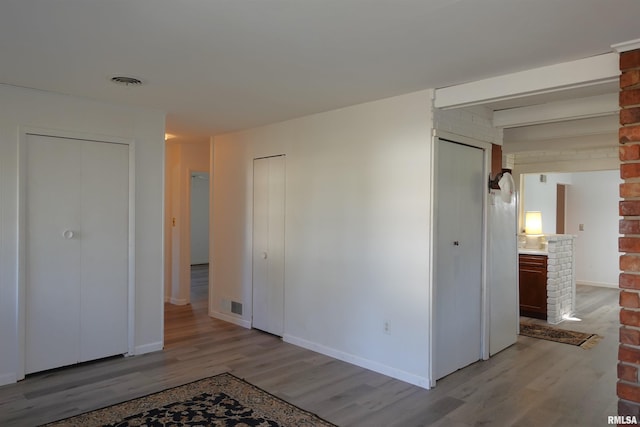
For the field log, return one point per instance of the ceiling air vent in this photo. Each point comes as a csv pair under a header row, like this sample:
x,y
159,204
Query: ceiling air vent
x,y
124,80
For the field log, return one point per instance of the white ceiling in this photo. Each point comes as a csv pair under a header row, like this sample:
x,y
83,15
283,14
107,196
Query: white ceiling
x,y
216,66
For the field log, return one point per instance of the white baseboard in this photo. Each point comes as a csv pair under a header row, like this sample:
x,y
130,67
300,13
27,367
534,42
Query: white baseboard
x,y
8,379
599,284
148,348
359,361
231,319
178,301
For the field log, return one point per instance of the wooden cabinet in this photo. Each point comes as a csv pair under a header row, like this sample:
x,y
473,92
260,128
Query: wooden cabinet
x,y
533,286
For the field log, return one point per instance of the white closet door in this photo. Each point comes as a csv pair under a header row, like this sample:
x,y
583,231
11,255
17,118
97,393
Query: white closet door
x,y
52,259
104,250
268,244
458,287
76,251
502,272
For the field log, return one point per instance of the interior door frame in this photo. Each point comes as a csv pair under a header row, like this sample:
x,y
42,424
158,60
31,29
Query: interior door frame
x,y
561,208
23,134
483,351
184,286
211,299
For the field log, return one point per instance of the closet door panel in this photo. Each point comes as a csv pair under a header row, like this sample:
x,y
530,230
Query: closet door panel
x,y
458,285
104,267
52,247
76,224
268,244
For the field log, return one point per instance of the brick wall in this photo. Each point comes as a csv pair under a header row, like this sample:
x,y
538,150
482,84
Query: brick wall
x,y
561,277
629,244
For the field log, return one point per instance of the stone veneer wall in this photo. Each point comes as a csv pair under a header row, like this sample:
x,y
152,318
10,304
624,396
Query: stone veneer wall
x,y
629,244
561,277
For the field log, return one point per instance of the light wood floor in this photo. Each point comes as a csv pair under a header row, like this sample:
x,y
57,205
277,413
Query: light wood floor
x,y
532,383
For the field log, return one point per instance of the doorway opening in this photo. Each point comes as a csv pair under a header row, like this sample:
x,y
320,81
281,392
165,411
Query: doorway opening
x,y
582,204
187,200
199,237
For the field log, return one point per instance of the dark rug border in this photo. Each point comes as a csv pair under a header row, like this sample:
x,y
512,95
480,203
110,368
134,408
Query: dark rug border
x,y
193,382
590,341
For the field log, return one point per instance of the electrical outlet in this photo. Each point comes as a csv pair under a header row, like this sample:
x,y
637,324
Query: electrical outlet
x,y
386,328
580,227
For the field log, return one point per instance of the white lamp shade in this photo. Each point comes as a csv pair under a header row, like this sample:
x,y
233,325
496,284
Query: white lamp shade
x,y
533,222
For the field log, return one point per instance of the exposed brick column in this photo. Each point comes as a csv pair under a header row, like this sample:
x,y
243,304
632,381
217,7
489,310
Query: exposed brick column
x,y
629,136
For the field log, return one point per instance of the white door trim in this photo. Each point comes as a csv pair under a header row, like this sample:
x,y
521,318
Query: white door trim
x,y
23,133
183,245
210,309
484,309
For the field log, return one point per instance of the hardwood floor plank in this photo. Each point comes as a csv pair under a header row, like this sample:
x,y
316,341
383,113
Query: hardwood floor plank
x,y
532,383
430,414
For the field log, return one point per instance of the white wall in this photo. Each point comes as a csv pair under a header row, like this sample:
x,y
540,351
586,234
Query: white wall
x,y
357,230
22,107
592,200
541,196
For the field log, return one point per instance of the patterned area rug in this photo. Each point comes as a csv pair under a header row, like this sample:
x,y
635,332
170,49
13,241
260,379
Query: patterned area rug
x,y
222,400
564,336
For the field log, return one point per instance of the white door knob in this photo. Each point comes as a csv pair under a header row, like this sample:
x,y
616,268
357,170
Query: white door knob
x,y
67,234
264,255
